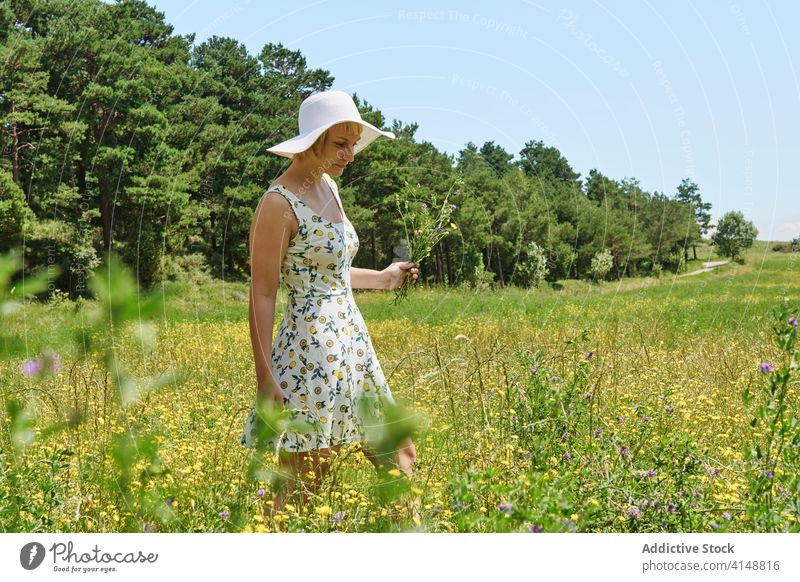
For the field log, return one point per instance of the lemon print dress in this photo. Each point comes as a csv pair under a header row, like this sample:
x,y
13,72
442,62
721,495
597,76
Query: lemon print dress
x,y
322,355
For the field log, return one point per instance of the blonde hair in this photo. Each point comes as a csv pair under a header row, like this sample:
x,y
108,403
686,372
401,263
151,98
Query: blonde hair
x,y
350,128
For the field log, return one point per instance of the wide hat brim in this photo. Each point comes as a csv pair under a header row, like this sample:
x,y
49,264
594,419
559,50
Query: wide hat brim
x,y
301,143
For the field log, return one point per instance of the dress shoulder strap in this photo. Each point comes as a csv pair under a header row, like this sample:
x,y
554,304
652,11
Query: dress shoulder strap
x,y
295,203
335,190
283,191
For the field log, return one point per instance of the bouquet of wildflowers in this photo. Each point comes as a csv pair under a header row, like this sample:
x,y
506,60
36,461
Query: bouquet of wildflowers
x,y
426,221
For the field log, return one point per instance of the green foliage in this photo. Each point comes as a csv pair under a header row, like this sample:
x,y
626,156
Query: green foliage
x,y
21,432
565,258
734,235
601,264
689,194
15,215
772,449
482,279
657,269
532,268
133,452
579,474
471,271
11,291
677,260
546,162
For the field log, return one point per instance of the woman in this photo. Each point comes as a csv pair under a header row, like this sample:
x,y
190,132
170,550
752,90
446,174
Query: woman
x,y
322,361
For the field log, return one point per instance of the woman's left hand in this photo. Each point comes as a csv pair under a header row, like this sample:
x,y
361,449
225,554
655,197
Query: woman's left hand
x,y
395,274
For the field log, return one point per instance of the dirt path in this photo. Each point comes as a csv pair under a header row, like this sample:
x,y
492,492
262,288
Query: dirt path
x,y
706,267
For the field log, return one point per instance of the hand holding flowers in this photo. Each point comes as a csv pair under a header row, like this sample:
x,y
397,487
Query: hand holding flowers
x,y
426,221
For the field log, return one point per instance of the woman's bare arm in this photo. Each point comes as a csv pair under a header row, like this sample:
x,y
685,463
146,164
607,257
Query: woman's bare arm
x,y
390,278
270,233
367,279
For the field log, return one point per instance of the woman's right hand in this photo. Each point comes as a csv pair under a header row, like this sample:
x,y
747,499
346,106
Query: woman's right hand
x,y
277,396
272,392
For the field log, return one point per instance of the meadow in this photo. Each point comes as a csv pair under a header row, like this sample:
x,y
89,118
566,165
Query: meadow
x,y
657,404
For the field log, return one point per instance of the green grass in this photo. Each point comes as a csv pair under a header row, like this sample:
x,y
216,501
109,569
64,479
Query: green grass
x,y
730,297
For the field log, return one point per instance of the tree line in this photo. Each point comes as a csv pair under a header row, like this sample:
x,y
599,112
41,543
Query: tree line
x,y
117,133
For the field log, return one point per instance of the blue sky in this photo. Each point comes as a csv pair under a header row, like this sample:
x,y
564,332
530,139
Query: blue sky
x,y
652,90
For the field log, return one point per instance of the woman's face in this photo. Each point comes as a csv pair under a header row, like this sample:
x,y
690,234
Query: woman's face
x,y
338,150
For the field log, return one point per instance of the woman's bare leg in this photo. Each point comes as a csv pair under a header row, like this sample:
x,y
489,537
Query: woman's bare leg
x,y
316,469
305,472
290,465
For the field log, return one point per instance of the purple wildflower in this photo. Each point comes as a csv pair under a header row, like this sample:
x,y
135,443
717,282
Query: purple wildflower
x,y
649,473
458,505
566,456
534,370
31,367
261,492
626,454
224,513
520,398
458,191
587,396
768,474
620,419
554,379
793,321
337,517
453,206
766,368
634,512
49,363
726,515
504,507
564,436
535,529
439,229
598,431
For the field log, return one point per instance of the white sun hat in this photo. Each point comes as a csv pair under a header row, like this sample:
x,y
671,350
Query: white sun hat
x,y
320,111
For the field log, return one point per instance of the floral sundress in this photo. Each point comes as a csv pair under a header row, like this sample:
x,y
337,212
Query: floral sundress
x,y
322,355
